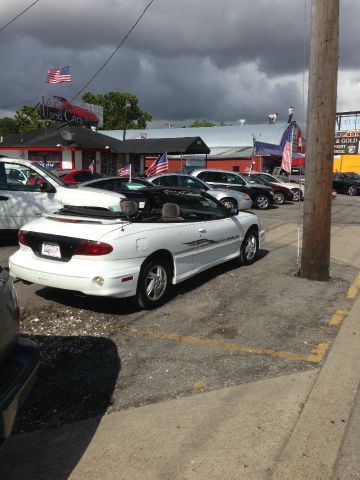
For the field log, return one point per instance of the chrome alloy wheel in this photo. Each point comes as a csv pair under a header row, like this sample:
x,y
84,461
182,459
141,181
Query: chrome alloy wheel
x,y
262,202
250,247
156,282
351,190
296,194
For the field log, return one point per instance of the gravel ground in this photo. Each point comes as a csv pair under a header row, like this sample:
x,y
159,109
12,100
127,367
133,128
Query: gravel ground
x,y
101,355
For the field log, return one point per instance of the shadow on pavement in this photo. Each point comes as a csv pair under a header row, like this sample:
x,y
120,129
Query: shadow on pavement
x,y
125,306
76,381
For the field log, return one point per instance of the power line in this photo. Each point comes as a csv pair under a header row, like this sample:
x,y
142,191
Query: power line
x,y
116,49
17,16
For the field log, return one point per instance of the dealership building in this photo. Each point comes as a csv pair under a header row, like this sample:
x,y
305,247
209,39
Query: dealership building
x,y
228,147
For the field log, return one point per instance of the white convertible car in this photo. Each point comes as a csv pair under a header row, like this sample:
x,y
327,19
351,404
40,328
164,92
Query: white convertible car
x,y
163,238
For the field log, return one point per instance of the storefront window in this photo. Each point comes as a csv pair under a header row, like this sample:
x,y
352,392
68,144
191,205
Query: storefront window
x,y
88,158
109,163
135,163
49,160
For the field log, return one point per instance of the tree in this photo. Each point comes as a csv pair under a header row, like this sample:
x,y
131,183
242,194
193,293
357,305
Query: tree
x,y
202,123
121,110
8,126
28,118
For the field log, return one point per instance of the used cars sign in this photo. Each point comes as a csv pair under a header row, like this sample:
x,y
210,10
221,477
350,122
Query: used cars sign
x,y
76,113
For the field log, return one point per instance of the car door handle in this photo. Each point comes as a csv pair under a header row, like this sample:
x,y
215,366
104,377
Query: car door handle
x,y
3,198
202,230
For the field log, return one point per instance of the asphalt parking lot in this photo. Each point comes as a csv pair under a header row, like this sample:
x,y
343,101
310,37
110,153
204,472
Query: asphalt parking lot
x,y
227,326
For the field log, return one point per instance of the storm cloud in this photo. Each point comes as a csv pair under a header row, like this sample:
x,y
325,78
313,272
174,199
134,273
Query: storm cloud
x,y
185,60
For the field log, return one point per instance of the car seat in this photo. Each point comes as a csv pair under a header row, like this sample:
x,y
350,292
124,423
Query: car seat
x,y
171,213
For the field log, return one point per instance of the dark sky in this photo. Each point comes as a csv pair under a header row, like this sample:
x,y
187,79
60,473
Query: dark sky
x,y
186,59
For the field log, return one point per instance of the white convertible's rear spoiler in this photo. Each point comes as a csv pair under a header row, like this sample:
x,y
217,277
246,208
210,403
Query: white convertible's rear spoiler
x,y
85,220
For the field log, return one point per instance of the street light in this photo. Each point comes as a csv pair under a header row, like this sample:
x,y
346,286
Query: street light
x,y
127,105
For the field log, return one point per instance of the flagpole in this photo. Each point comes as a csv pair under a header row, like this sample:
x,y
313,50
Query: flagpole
x,y
291,140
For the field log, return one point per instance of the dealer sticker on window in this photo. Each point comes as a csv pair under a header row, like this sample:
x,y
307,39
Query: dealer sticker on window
x,y
51,249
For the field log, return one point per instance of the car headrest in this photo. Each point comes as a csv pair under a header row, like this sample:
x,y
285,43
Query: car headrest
x,y
170,210
129,207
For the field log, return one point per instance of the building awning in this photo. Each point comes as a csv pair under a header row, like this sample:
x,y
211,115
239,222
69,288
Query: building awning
x,y
174,146
269,150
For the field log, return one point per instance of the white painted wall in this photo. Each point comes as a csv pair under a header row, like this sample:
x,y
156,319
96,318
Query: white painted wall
x,y
15,154
66,160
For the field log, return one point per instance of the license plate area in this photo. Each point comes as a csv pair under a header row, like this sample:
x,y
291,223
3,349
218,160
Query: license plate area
x,y
50,249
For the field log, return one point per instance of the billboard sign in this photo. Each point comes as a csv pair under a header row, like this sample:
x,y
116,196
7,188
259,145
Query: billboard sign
x,y
346,145
59,109
195,161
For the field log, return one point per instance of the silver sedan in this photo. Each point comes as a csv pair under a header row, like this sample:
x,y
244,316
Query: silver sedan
x,y
227,197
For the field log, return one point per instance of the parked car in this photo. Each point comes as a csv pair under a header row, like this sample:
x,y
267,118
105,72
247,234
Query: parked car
x,y
282,194
20,203
347,182
297,174
139,252
262,196
118,184
75,177
229,198
297,189
19,358
131,189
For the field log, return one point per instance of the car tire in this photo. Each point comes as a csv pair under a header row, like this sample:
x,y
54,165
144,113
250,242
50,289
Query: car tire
x,y
351,190
262,202
249,250
296,195
279,198
228,203
153,283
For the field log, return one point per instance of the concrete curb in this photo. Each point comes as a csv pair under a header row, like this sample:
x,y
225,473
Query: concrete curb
x,y
314,444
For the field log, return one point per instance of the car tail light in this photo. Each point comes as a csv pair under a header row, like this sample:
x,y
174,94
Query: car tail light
x,y
88,247
22,237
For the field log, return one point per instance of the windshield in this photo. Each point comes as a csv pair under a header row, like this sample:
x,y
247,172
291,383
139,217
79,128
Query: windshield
x,y
257,179
50,174
355,176
268,178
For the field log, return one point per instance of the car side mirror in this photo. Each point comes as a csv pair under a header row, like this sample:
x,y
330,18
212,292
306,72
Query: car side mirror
x,y
46,187
233,210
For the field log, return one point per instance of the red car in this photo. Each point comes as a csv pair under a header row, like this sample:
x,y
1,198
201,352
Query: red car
x,y
75,177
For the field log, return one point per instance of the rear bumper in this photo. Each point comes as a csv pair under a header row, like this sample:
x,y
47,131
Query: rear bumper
x,y
16,379
119,278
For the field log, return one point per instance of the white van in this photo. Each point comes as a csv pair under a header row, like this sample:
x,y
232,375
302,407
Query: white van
x,y
39,191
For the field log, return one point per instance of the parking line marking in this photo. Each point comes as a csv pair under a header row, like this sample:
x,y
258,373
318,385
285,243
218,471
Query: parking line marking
x,y
315,356
338,317
354,288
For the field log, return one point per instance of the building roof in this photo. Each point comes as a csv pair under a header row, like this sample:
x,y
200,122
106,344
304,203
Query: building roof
x,y
65,136
179,145
79,137
227,136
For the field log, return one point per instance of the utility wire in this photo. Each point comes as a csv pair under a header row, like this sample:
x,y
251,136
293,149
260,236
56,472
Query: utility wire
x,y
116,49
18,16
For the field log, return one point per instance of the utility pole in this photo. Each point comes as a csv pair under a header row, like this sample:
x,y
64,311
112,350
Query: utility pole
x,y
324,46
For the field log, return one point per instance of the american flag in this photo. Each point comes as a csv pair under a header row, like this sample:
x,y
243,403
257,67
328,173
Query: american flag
x,y
56,75
159,166
92,166
125,171
286,144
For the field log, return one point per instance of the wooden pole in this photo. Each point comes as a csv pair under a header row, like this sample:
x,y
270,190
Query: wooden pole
x,y
324,44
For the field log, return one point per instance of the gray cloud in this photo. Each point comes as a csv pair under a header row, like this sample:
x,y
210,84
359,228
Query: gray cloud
x,y
185,60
